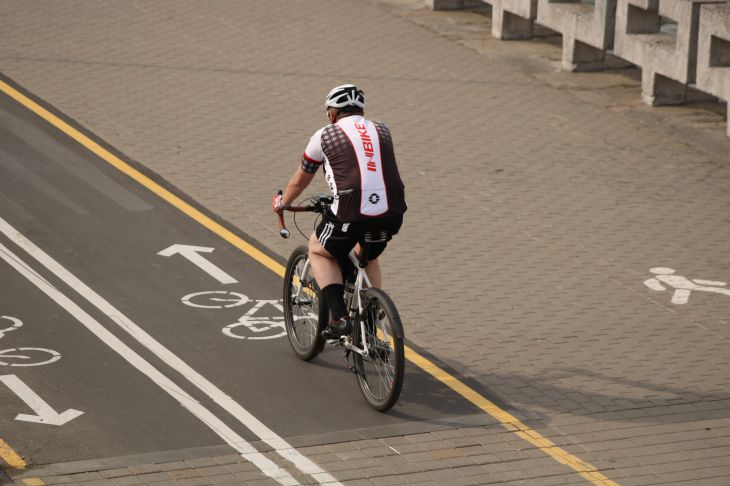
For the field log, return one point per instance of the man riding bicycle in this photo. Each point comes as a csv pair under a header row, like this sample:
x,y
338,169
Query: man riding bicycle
x,y
361,171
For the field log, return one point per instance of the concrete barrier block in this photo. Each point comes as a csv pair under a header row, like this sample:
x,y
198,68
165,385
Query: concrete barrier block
x,y
713,52
587,29
668,59
513,19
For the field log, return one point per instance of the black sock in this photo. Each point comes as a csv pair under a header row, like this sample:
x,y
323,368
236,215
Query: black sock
x,y
334,297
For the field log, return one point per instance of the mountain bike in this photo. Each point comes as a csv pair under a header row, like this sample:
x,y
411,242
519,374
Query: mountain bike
x,y
374,349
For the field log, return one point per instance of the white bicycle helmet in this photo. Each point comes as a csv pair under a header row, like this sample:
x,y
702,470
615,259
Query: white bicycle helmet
x,y
345,95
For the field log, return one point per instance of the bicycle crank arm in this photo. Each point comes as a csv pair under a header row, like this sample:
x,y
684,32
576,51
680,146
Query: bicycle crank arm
x,y
351,347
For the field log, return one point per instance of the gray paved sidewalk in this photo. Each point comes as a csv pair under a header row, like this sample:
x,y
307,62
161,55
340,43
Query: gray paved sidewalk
x,y
538,200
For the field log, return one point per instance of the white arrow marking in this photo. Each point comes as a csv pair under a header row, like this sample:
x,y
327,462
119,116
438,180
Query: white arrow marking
x,y
192,253
44,413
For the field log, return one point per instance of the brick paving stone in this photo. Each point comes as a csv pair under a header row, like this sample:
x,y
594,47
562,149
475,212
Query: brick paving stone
x,y
145,468
57,479
116,472
88,476
348,474
251,475
408,467
184,474
240,467
416,477
314,450
458,481
378,451
446,453
172,466
153,477
202,462
230,459
196,481
375,471
342,447
212,470
262,482
363,463
417,456
410,448
388,480
395,441
127,481
225,479
360,482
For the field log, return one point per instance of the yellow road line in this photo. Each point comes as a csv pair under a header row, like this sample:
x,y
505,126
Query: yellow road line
x,y
509,421
33,482
11,457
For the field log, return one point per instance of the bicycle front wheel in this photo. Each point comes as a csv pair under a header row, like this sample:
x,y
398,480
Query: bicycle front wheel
x,y
302,313
380,372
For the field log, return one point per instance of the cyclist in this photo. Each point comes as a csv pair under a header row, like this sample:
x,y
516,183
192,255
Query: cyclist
x,y
361,171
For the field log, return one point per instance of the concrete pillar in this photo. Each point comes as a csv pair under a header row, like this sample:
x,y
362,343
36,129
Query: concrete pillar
x,y
513,19
668,62
713,52
588,31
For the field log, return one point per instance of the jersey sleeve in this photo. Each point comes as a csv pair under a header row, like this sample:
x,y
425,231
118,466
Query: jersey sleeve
x,y
313,156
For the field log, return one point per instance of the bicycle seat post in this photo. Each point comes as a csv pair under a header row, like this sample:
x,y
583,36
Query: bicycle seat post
x,y
368,238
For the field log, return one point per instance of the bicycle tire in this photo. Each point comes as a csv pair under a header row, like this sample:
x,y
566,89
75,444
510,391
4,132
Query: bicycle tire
x,y
303,318
380,374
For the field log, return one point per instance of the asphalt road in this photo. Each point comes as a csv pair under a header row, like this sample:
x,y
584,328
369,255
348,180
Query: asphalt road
x,y
145,345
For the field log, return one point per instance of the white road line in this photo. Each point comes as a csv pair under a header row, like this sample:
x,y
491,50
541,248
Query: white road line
x,y
284,449
247,451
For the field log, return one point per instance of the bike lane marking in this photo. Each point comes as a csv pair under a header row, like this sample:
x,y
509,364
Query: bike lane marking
x,y
280,446
511,423
246,450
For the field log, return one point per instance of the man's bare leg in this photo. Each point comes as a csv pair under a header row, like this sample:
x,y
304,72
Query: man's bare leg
x,y
324,266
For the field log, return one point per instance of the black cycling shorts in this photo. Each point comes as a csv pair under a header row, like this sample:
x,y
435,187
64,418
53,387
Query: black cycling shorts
x,y
340,238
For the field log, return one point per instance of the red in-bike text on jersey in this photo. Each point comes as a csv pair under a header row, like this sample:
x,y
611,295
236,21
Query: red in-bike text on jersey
x,y
367,145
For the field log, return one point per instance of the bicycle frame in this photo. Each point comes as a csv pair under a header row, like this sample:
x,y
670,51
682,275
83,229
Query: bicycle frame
x,y
362,278
361,282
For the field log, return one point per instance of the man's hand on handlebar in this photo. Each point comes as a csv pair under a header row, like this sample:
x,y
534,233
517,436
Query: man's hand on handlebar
x,y
278,204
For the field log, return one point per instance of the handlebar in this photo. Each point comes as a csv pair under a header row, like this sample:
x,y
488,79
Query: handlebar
x,y
319,204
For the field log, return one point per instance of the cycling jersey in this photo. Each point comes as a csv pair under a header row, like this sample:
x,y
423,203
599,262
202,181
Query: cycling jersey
x,y
360,168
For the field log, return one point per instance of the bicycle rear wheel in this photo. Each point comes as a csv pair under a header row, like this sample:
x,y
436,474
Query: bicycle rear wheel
x,y
380,373
302,312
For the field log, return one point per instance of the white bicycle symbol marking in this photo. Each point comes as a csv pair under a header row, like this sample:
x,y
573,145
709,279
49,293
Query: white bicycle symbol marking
x,y
224,299
55,356
17,324
256,324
